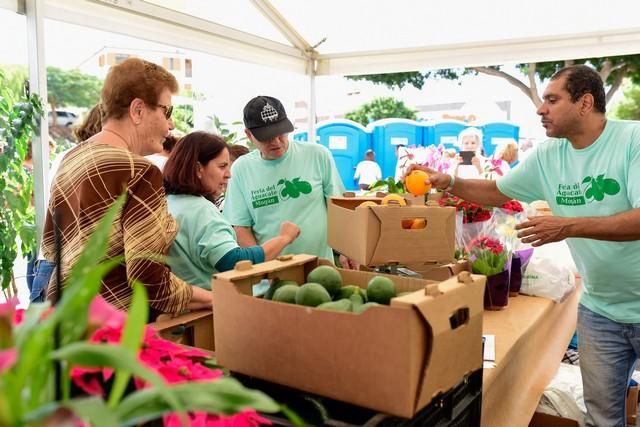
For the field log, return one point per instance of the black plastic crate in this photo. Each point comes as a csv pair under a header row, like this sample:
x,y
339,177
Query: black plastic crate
x,y
459,407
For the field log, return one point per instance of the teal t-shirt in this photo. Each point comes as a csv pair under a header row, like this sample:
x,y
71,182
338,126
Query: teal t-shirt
x,y
263,193
600,180
204,237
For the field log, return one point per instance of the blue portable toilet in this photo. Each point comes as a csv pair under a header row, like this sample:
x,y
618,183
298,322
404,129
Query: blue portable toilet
x,y
446,133
495,134
347,141
387,135
301,136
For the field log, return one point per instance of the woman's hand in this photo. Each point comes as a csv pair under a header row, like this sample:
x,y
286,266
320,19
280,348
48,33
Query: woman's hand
x,y
201,299
289,231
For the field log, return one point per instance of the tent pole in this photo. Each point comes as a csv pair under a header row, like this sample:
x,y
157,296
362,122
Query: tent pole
x,y
312,100
38,84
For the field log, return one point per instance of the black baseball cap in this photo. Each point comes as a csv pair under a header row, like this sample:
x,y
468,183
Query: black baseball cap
x,y
266,118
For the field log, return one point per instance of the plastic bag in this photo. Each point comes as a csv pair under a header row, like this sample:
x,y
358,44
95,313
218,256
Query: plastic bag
x,y
550,273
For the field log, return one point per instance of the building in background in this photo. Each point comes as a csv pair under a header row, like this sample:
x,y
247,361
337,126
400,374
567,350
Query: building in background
x,y
179,64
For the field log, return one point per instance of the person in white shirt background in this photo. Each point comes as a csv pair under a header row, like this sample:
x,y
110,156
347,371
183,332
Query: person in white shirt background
x,y
470,139
367,171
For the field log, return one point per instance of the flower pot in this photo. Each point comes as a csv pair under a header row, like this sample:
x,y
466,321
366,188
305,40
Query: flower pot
x,y
519,261
496,294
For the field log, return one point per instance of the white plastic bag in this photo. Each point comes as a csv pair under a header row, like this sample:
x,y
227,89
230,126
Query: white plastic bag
x,y
550,273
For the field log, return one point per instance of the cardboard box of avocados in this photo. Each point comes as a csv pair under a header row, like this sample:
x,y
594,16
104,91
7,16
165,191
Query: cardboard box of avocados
x,y
377,234
394,359
438,271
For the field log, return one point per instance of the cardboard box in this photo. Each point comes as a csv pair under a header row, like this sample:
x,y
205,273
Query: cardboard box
x,y
440,272
632,405
196,329
374,235
392,359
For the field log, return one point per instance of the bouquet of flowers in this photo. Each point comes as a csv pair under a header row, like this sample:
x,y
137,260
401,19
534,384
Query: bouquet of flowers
x,y
474,212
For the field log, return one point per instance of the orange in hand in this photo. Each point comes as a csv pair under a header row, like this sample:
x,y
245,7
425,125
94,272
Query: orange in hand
x,y
417,183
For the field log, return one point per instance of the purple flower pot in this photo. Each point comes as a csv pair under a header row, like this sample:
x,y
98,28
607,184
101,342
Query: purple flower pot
x,y
519,261
496,294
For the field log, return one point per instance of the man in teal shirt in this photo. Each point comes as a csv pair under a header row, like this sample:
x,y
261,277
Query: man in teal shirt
x,y
280,181
589,173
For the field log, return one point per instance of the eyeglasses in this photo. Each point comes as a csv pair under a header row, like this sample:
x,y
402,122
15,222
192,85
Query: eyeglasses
x,y
168,109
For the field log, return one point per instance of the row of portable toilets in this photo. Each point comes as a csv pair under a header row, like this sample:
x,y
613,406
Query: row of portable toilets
x,y
348,141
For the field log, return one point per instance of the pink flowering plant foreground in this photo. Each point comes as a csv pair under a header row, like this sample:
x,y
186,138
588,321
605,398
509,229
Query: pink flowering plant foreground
x,y
85,363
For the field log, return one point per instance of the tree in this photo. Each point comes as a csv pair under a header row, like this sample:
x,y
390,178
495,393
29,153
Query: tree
x,y
381,108
612,70
71,87
183,118
19,115
64,87
629,107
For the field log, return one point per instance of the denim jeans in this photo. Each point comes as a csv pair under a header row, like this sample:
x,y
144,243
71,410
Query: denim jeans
x,y
608,354
43,270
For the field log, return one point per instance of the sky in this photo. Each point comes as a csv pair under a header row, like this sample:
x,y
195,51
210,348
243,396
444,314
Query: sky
x,y
228,84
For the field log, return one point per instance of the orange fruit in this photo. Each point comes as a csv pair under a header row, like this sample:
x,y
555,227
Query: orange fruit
x,y
419,223
407,223
417,183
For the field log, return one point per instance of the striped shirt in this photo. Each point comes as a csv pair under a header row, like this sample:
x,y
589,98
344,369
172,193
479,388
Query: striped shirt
x,y
90,179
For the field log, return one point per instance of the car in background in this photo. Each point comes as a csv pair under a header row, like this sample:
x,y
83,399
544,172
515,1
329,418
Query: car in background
x,y
63,118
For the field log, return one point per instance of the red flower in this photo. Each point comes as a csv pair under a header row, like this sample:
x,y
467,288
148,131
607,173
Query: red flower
x,y
484,242
248,418
88,380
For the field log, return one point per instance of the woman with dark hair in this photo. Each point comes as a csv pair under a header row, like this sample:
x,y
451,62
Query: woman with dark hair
x,y
136,118
196,173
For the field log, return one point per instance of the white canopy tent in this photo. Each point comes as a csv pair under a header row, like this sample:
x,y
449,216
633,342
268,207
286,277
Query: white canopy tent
x,y
345,37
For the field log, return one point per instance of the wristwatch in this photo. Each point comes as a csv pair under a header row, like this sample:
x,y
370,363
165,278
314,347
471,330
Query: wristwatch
x,y
452,182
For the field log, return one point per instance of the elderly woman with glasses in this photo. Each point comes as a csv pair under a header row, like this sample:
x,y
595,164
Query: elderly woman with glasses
x,y
136,104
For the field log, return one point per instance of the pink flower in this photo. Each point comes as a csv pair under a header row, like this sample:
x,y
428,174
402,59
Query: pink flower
x,y
7,359
101,313
88,380
248,418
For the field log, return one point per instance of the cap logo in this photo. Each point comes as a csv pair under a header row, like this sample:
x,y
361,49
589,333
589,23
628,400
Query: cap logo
x,y
268,113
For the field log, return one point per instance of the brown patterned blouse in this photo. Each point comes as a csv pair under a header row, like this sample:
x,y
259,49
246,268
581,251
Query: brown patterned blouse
x,y
90,179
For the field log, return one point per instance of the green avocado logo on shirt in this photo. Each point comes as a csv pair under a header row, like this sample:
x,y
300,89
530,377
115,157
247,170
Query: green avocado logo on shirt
x,y
596,188
293,189
589,190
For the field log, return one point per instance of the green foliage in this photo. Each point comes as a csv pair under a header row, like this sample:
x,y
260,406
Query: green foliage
x,y
71,87
621,66
629,107
183,118
413,78
388,185
381,108
64,87
19,115
232,132
28,385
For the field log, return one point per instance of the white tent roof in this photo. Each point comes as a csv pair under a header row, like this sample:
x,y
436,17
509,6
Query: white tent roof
x,y
369,36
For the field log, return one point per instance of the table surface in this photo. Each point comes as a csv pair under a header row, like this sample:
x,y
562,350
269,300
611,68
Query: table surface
x,y
532,335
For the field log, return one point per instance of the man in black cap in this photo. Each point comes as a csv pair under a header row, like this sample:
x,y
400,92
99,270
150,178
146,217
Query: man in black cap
x,y
279,181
